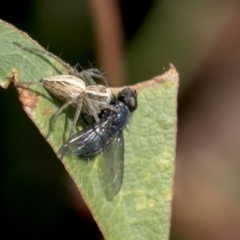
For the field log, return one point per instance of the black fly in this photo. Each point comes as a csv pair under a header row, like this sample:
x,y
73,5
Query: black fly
x,y
106,136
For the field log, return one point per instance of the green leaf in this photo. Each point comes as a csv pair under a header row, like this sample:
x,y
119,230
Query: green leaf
x,y
142,209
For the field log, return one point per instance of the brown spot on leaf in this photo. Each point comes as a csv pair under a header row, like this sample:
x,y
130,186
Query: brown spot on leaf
x,y
48,111
26,96
12,77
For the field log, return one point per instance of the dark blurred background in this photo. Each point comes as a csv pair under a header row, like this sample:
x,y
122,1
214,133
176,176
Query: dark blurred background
x,y
132,42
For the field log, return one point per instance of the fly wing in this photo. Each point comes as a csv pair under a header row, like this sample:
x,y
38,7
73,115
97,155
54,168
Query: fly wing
x,y
114,155
87,142
111,166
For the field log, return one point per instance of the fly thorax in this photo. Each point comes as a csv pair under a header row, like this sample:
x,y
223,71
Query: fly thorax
x,y
122,117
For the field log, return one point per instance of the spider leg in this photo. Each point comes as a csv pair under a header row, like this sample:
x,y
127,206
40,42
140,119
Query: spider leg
x,y
43,51
57,113
91,73
91,110
108,106
77,114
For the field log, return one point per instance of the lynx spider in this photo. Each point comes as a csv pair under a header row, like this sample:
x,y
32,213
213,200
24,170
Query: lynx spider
x,y
77,89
